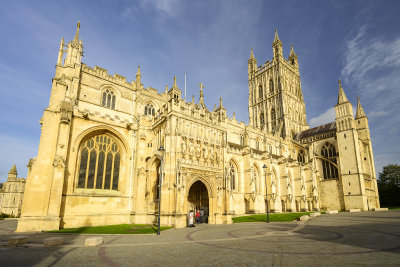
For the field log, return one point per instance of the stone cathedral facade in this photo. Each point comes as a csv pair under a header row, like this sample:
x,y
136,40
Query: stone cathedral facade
x,y
99,162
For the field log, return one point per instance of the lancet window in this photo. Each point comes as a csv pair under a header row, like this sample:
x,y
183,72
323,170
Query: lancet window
x,y
99,163
260,91
262,121
233,175
271,86
328,153
273,118
300,156
108,99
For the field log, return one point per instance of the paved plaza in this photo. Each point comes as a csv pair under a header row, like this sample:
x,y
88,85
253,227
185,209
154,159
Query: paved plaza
x,y
344,239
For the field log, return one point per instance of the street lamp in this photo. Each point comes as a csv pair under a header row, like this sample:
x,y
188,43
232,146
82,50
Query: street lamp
x,y
162,150
266,191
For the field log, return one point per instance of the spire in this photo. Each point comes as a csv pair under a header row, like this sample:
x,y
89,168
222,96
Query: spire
x,y
174,86
251,53
13,170
342,96
360,111
276,36
76,39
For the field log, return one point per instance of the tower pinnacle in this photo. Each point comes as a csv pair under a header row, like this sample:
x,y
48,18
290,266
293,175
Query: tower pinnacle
x,y
291,49
251,53
360,111
13,170
342,96
76,38
276,36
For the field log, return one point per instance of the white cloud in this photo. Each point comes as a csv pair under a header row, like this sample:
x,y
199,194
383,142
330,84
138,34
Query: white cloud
x,y
326,117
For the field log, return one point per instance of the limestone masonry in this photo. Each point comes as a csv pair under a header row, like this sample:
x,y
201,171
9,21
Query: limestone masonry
x,y
99,161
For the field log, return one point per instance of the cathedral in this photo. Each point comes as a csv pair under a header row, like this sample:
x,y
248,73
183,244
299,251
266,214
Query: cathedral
x,y
113,151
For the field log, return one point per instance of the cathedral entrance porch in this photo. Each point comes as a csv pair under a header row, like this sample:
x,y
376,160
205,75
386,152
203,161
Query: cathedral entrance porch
x,y
198,200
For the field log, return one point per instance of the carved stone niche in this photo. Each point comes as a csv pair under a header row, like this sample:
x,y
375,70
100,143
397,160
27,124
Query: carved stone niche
x,y
66,112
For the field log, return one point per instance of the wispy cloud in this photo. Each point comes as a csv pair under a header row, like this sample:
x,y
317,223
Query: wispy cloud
x,y
326,117
371,66
168,7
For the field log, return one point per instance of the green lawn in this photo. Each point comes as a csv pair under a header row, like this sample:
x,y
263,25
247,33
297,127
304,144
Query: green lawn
x,y
393,208
273,217
113,229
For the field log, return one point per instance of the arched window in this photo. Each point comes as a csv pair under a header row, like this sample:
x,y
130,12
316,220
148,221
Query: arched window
x,y
234,174
149,110
257,144
260,92
273,118
328,152
108,99
271,86
99,163
242,140
300,156
262,121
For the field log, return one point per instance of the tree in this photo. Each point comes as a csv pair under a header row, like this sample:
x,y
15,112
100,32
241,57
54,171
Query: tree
x,y
389,185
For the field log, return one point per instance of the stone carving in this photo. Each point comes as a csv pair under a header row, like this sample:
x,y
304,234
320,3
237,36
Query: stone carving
x,y
66,112
59,162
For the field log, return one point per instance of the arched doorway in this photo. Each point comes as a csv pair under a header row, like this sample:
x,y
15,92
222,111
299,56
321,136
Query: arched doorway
x,y
198,199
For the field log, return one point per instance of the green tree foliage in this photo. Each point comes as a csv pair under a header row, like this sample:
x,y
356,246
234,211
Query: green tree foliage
x,y
389,185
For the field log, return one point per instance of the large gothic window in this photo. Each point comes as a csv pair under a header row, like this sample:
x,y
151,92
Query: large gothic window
x,y
149,110
260,91
99,163
108,99
328,152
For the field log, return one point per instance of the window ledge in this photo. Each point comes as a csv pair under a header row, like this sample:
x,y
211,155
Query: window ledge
x,y
97,192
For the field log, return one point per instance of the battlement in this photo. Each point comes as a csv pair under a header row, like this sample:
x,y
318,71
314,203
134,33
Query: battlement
x,y
103,73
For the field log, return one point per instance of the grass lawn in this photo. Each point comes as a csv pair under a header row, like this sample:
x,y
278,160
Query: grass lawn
x,y
113,229
393,208
273,217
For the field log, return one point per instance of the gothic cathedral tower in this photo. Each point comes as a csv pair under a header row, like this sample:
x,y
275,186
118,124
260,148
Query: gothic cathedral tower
x,y
276,103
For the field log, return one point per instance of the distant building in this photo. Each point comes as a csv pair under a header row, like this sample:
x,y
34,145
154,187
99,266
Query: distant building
x,y
12,194
99,162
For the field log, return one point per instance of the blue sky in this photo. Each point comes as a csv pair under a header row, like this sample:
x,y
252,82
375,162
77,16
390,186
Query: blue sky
x,y
358,41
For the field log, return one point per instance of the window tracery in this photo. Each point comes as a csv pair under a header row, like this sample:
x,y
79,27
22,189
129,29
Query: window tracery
x,y
108,99
328,152
300,156
99,163
149,110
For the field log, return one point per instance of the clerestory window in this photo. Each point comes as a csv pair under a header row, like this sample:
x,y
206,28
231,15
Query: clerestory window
x,y
108,99
149,110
